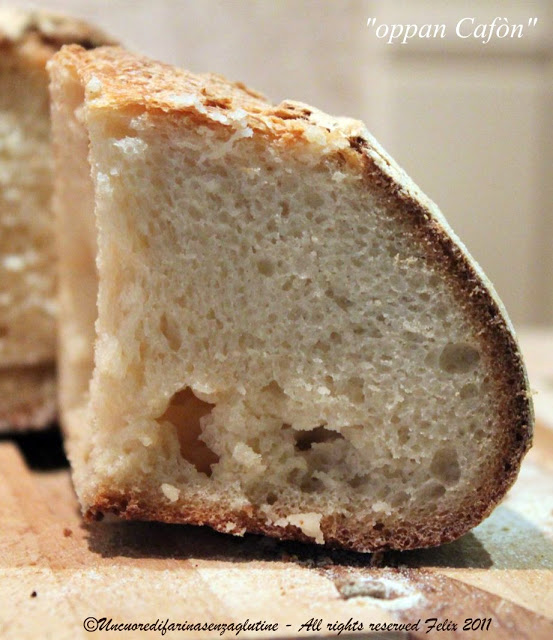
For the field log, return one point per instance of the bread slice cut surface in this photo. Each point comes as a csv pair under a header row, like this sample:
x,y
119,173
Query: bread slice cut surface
x,y
265,325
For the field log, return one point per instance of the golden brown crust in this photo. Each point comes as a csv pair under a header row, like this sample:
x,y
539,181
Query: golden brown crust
x,y
125,82
141,84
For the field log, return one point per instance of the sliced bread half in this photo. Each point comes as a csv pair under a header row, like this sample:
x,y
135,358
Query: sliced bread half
x,y
27,252
289,338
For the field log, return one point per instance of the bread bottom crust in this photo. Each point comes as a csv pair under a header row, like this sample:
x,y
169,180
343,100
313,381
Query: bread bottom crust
x,y
27,397
361,534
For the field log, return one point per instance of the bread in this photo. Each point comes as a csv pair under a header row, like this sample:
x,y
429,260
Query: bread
x,y
290,340
28,396
27,254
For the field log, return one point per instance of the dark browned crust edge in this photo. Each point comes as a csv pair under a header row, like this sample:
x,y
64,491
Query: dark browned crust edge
x,y
515,421
354,534
514,425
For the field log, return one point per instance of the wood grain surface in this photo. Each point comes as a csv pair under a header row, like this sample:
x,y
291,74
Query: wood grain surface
x,y
55,571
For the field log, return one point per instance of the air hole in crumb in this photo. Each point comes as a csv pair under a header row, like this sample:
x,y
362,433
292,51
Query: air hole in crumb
x,y
171,332
355,390
271,225
185,413
194,212
3,331
430,359
271,498
399,499
311,485
373,332
458,358
314,199
305,439
441,311
295,476
403,435
445,466
432,491
330,384
284,209
322,346
288,284
411,336
468,391
343,302
479,434
358,481
248,341
275,390
265,267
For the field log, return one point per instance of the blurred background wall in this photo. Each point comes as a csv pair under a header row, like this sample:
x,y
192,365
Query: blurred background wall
x,y
471,122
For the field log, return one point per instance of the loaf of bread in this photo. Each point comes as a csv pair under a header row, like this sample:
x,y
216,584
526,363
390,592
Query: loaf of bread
x,y
288,338
27,253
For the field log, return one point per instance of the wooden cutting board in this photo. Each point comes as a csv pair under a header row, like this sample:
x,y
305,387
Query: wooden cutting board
x,y
55,572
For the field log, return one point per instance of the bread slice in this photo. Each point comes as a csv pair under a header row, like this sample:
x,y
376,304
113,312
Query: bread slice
x,y
289,339
27,255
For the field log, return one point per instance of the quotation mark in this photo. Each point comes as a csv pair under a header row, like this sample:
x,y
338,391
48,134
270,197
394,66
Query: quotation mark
x,y
371,22
532,22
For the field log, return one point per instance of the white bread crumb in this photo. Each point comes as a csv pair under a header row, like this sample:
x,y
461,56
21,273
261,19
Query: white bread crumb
x,y
309,523
93,86
170,492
